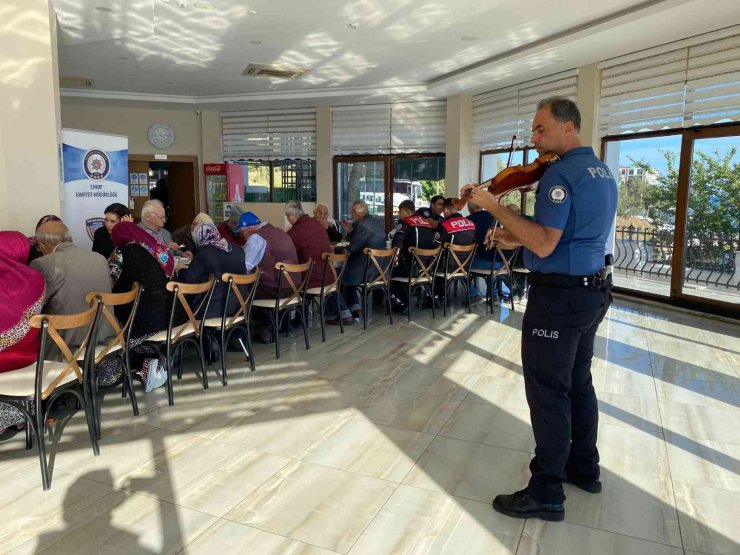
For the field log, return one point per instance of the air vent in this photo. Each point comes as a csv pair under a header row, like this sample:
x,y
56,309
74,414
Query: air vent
x,y
76,83
274,71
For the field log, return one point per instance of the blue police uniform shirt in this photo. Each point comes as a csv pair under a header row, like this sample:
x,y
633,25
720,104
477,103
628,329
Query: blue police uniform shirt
x,y
578,195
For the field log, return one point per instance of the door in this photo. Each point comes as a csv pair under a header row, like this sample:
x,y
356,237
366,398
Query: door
x,y
710,261
182,191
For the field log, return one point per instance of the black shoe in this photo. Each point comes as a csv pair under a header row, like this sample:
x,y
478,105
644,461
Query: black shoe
x,y
591,486
523,505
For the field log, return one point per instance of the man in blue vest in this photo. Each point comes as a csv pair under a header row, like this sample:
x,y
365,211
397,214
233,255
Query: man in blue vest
x,y
569,296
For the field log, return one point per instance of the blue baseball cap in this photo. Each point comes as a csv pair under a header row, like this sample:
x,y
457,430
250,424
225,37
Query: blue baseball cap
x,y
247,219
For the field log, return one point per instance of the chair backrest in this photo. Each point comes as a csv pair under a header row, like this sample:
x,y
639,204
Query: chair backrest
x,y
457,259
195,317
49,324
236,283
380,260
425,269
109,301
297,290
331,261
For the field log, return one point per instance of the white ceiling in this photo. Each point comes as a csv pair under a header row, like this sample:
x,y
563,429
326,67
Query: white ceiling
x,y
155,52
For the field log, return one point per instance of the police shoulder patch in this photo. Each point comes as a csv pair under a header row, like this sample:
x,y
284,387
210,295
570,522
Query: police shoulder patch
x,y
557,194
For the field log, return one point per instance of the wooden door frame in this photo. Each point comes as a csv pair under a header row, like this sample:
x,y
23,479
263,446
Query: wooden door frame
x,y
177,158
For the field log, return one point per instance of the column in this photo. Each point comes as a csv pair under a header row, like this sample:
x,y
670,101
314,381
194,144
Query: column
x,y
29,115
324,167
462,159
589,90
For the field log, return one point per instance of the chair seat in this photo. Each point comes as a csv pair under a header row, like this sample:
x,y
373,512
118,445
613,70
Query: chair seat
x,y
270,303
99,349
162,335
494,272
449,276
422,279
216,322
21,382
316,291
521,270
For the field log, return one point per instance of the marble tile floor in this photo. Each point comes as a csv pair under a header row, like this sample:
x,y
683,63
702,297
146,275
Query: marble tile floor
x,y
394,441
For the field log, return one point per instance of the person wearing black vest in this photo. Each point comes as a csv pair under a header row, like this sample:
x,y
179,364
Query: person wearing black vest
x,y
411,230
434,212
455,229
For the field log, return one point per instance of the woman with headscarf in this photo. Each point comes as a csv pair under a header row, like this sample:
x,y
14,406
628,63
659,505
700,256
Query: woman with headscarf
x,y
140,258
184,236
35,251
213,255
19,342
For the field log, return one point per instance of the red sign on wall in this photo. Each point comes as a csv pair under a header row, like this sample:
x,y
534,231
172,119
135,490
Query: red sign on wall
x,y
214,169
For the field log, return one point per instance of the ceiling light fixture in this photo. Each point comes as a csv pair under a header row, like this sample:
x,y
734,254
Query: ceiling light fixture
x,y
103,9
255,42
204,6
354,26
469,38
252,12
122,58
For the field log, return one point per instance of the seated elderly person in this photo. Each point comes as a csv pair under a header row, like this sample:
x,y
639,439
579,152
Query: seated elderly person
x,y
311,242
113,214
35,251
265,245
183,236
213,255
139,258
364,232
321,215
71,273
228,228
19,342
153,218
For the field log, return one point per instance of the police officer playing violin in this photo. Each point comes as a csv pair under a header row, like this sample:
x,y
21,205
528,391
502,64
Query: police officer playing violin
x,y
565,249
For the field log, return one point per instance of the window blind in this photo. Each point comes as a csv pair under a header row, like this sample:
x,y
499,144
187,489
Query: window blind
x,y
269,134
693,82
499,115
390,128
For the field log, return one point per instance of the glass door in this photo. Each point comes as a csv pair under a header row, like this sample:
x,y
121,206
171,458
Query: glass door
x,y
361,179
710,265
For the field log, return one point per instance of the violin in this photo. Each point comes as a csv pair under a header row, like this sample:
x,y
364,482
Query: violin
x,y
513,178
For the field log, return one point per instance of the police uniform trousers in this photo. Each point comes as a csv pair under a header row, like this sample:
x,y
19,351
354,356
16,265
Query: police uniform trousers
x,y
558,332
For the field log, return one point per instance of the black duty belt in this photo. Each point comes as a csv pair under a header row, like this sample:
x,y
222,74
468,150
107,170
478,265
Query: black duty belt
x,y
596,281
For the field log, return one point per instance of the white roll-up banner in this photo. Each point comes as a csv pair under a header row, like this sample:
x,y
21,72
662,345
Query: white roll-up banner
x,y
95,175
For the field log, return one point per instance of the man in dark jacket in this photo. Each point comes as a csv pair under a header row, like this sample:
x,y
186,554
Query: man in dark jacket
x,y
364,232
412,230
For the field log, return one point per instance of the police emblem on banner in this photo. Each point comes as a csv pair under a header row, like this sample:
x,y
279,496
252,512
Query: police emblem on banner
x,y
92,224
558,194
96,165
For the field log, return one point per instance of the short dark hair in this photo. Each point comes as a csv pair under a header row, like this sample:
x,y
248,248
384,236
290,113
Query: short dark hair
x,y
562,109
435,198
118,209
407,205
449,203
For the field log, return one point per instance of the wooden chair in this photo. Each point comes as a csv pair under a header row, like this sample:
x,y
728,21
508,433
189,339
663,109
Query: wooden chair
x,y
279,307
243,287
118,345
318,295
493,274
380,261
34,388
421,275
456,260
169,342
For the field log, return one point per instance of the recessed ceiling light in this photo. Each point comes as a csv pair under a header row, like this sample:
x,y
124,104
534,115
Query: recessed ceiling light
x,y
122,58
103,9
204,6
255,42
354,26
469,38
252,12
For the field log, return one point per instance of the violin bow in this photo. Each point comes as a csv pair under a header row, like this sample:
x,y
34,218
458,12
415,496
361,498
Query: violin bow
x,y
495,226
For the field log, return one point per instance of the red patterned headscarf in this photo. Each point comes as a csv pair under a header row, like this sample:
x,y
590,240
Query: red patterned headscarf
x,y
128,232
23,288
